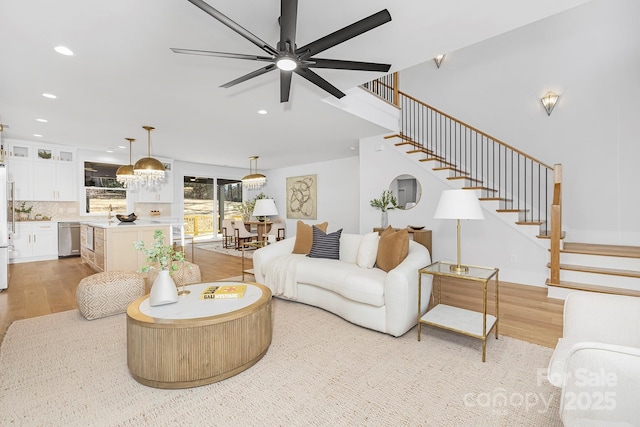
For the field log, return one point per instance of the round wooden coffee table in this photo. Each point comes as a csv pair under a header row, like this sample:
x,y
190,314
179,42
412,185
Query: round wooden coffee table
x,y
195,342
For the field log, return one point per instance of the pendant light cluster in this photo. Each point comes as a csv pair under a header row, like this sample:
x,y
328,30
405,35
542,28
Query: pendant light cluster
x,y
125,175
147,173
255,180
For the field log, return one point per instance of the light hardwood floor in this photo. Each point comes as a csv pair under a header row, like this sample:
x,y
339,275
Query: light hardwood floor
x,y
46,287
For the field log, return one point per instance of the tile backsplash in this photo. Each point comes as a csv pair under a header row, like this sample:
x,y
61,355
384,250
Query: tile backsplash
x,y
54,210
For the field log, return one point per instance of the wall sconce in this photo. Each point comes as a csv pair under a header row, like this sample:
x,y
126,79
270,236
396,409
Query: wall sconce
x,y
438,59
549,101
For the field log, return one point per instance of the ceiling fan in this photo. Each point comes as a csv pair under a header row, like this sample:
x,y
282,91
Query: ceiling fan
x,y
289,58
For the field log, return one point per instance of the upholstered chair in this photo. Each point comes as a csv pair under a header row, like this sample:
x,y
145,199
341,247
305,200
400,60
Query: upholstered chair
x,y
228,234
596,363
277,230
242,235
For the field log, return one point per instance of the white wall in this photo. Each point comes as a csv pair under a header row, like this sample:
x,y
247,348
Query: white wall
x,y
489,242
338,193
590,55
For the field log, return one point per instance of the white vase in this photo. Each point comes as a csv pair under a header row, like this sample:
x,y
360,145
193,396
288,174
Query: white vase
x,y
384,219
164,290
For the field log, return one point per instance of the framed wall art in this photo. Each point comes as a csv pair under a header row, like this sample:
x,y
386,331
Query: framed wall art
x,y
302,197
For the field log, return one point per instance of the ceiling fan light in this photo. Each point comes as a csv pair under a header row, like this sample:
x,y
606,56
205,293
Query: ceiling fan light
x,y
286,63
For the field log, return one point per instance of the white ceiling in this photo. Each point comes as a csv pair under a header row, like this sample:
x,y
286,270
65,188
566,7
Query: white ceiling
x,y
123,74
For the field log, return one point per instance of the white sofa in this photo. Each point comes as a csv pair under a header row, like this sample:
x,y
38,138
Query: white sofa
x,y
597,360
369,297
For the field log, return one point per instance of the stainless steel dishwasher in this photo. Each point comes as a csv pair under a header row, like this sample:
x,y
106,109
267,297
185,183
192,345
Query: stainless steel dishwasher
x,y
68,239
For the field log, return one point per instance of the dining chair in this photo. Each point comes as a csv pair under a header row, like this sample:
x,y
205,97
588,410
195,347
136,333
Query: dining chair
x,y
228,234
242,235
277,230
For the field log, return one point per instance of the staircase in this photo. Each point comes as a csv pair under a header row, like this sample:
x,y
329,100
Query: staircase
x,y
523,190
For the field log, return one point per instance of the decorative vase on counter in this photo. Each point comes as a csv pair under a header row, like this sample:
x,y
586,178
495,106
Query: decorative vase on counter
x,y
164,290
384,219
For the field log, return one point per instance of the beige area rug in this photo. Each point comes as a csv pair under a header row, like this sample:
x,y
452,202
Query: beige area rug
x,y
217,247
62,370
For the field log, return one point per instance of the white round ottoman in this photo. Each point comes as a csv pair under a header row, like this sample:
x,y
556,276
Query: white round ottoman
x,y
108,293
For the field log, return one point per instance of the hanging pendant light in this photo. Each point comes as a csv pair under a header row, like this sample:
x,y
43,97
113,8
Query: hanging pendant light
x,y
125,174
149,171
255,180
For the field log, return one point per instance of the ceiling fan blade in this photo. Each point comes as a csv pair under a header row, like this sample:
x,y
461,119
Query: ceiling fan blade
x,y
347,65
344,34
221,54
251,75
234,26
285,85
288,18
319,81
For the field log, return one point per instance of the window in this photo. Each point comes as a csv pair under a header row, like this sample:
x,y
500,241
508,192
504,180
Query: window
x,y
102,191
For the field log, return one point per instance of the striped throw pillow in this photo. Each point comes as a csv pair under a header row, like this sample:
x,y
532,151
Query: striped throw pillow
x,y
325,245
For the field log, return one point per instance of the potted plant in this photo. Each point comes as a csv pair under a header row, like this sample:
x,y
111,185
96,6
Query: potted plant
x,y
23,211
162,257
386,202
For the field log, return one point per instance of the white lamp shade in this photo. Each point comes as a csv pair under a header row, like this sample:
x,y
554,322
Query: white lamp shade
x,y
458,204
265,207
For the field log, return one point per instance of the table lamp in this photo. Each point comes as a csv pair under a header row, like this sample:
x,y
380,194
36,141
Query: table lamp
x,y
458,204
264,208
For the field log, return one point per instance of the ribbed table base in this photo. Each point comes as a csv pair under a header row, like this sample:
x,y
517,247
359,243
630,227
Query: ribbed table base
x,y
186,353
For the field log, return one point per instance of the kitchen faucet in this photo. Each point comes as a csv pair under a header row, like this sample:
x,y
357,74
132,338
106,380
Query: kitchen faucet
x,y
110,212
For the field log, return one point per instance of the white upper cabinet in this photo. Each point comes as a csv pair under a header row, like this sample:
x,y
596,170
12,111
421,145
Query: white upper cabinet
x,y
45,172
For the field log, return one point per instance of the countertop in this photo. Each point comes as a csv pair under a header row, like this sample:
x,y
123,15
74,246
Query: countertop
x,y
137,223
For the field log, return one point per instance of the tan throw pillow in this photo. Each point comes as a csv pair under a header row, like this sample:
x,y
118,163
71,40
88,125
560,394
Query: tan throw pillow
x,y
393,248
304,237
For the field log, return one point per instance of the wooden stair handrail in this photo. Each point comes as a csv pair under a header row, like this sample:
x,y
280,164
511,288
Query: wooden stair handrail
x,y
556,224
478,131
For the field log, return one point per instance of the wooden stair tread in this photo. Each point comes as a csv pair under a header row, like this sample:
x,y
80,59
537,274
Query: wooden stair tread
x,y
599,270
464,177
450,168
594,288
512,210
480,188
603,250
548,236
498,199
438,159
529,222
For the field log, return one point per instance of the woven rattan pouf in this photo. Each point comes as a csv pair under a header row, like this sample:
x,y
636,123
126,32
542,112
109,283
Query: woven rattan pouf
x,y
108,293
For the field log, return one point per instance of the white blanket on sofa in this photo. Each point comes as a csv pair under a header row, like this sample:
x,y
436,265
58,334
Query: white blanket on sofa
x,y
280,275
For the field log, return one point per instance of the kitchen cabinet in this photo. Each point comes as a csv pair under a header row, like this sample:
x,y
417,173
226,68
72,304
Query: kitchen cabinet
x,y
42,172
34,241
111,247
54,173
19,170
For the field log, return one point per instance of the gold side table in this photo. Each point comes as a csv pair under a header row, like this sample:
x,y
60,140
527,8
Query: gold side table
x,y
456,319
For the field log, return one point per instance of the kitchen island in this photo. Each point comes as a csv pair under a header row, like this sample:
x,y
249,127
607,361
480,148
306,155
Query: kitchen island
x,y
108,245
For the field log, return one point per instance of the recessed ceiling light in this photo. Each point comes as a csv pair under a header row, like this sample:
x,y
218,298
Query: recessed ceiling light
x,y
42,120
63,50
49,95
262,111
38,135
109,150
122,147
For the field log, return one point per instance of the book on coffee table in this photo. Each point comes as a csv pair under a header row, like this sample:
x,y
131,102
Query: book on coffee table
x,y
209,292
234,291
218,292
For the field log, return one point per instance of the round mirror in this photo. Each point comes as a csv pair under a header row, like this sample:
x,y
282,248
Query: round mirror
x,y
407,191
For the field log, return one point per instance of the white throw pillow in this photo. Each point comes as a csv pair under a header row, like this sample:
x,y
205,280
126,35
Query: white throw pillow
x,y
368,250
